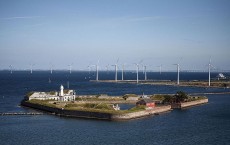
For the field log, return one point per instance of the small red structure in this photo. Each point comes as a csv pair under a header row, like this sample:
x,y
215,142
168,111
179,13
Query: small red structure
x,y
147,102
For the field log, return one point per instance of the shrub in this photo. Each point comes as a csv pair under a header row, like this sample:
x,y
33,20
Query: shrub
x,y
180,96
158,97
104,106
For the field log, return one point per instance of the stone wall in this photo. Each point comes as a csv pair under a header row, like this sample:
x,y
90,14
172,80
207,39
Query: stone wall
x,y
189,104
139,114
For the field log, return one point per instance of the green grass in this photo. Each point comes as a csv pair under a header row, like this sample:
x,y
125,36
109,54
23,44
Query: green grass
x,y
136,109
89,107
98,99
43,102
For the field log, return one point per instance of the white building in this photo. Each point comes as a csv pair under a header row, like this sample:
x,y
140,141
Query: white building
x,y
62,95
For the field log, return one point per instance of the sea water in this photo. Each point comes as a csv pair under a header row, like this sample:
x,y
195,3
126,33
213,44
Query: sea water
x,y
204,124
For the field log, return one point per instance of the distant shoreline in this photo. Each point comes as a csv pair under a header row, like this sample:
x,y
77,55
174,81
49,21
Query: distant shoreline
x,y
195,83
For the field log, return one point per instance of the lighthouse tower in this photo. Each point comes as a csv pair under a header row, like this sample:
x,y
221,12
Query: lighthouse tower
x,y
61,90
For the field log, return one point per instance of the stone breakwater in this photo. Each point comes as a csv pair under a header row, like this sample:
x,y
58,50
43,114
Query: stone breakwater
x,y
144,113
188,104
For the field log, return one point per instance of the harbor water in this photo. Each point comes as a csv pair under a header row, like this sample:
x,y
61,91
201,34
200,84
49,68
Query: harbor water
x,y
201,125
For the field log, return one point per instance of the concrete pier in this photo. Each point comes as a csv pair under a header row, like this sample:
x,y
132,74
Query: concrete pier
x,y
21,113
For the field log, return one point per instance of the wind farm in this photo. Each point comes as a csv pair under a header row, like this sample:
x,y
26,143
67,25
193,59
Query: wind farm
x,y
143,72
121,77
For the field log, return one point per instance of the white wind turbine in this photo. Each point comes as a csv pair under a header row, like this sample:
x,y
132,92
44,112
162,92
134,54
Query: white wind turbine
x,y
107,68
97,70
89,68
115,65
70,68
51,69
145,70
178,73
209,72
96,66
160,68
137,70
11,69
31,68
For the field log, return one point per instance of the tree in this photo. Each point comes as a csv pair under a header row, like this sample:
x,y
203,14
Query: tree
x,y
168,99
180,96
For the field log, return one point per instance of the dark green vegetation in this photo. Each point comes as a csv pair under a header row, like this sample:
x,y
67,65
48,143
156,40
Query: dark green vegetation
x,y
180,96
102,106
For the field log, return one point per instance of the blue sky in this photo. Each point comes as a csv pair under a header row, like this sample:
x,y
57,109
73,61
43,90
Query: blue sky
x,y
80,32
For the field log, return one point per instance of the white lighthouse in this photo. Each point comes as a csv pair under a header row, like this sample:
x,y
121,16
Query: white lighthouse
x,y
61,90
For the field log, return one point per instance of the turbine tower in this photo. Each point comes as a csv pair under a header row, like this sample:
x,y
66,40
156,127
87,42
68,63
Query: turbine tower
x,y
31,68
160,68
115,65
107,68
178,73
97,70
51,69
89,68
209,72
11,69
137,69
145,72
70,68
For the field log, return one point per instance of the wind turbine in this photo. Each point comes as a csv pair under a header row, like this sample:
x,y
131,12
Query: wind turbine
x,y
115,65
137,69
178,73
70,68
31,68
11,69
89,68
97,70
160,68
209,72
51,69
96,66
145,67
107,68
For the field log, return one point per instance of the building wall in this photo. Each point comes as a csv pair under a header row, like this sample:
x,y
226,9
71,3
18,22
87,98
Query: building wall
x,y
46,96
